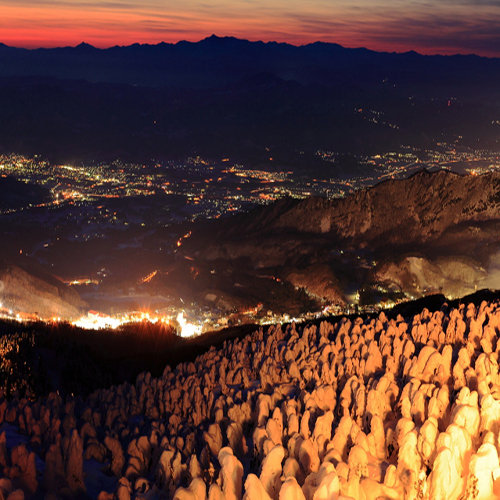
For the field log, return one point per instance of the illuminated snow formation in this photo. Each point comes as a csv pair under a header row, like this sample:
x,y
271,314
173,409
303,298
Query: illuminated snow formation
x,y
359,409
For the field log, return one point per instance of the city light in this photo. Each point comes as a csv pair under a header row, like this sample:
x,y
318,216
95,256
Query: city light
x,y
187,329
92,322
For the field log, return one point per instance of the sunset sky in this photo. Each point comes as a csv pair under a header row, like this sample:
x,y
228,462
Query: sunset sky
x,y
427,26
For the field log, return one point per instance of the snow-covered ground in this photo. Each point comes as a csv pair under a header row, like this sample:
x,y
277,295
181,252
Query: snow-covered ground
x,y
356,409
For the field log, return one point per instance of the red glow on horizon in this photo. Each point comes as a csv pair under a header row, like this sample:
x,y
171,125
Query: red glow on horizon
x,y
32,40
376,28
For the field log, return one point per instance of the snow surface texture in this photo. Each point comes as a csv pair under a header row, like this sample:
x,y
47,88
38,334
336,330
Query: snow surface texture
x,y
359,409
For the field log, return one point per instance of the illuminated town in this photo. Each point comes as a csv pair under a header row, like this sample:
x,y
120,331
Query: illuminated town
x,y
126,203
211,189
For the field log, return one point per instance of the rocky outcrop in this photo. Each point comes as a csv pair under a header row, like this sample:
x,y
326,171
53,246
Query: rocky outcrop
x,y
21,291
419,208
431,232
457,276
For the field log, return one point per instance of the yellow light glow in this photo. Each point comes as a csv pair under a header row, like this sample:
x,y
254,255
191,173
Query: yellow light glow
x,y
187,329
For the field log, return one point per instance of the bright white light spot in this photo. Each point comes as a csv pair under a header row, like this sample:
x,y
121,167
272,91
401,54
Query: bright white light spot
x,y
97,322
187,329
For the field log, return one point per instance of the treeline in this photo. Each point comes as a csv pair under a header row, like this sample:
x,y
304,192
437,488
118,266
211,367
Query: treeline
x,y
39,358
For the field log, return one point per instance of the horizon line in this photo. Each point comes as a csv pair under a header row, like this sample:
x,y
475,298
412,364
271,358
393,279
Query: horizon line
x,y
83,43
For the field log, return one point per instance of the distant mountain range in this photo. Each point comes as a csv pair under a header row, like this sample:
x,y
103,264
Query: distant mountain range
x,y
215,62
248,100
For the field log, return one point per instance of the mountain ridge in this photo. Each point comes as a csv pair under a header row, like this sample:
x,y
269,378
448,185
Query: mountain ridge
x,y
215,39
190,64
235,98
478,197
431,233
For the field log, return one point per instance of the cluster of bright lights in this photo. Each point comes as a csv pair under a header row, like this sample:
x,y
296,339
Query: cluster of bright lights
x,y
187,329
98,321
